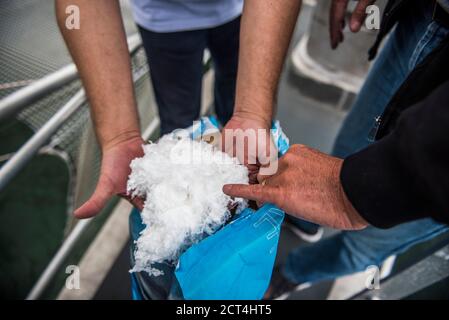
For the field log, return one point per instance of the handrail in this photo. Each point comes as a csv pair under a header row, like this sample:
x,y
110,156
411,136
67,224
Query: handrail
x,y
32,146
73,237
57,260
16,103
20,99
134,44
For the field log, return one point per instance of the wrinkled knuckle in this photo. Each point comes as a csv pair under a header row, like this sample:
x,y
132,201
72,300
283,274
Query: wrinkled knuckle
x,y
278,196
295,147
260,190
300,148
287,156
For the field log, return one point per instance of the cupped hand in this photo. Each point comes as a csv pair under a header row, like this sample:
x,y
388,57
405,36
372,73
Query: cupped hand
x,y
113,178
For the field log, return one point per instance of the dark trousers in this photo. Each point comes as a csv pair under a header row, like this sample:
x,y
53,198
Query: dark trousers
x,y
176,68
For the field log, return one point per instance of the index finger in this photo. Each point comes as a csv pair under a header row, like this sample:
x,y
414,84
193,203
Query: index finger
x,y
256,192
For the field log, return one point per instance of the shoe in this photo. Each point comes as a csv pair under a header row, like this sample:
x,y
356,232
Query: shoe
x,y
280,287
305,230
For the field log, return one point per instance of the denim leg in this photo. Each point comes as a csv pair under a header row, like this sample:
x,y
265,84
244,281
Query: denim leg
x,y
176,69
412,40
349,252
223,43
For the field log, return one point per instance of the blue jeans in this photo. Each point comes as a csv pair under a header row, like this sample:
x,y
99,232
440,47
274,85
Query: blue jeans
x,y
176,68
415,36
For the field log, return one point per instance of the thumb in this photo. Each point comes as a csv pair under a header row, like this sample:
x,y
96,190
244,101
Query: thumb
x,y
95,203
256,192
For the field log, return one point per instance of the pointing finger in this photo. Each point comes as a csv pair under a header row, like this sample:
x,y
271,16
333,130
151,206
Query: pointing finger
x,y
257,192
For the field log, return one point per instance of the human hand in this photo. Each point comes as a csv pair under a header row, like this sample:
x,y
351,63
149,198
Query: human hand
x,y
248,137
307,185
337,19
113,178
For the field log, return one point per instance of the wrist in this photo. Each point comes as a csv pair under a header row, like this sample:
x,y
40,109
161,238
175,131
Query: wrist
x,y
352,220
129,137
264,120
355,220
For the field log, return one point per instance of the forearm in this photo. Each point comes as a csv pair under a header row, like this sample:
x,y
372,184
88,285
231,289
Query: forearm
x,y
266,30
100,51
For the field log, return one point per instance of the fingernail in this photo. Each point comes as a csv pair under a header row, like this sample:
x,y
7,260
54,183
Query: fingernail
x,y
355,25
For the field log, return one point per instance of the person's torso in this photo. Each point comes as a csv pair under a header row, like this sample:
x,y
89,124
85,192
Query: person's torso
x,y
427,75
183,15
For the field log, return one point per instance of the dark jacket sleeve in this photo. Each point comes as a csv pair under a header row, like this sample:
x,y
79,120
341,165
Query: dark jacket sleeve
x,y
405,175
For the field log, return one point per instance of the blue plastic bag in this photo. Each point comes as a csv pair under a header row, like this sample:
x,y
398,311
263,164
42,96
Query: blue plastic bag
x,y
237,261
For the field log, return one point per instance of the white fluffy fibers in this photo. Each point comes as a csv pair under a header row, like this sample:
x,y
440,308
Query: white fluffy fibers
x,y
182,182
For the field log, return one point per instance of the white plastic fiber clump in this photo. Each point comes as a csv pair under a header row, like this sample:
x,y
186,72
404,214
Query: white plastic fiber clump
x,y
181,180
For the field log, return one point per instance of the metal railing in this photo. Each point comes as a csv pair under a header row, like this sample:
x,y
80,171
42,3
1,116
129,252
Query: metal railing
x,y
18,101
71,240
11,168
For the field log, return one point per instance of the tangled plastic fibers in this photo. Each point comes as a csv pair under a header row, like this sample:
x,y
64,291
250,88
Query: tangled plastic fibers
x,y
181,180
